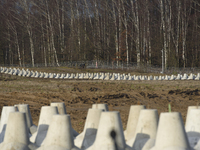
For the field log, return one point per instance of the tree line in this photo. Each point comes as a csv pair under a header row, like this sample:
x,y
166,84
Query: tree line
x,y
55,31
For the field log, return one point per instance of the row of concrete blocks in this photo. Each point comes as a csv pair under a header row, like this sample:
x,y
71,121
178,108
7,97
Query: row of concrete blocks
x,y
97,76
102,131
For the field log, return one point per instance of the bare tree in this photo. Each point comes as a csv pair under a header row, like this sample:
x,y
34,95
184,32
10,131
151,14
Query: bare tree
x,y
135,21
25,5
175,31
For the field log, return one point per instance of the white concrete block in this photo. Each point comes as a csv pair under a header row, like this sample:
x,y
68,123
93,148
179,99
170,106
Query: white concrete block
x,y
59,136
171,133
45,119
109,121
16,136
132,121
192,127
87,137
100,106
146,130
25,109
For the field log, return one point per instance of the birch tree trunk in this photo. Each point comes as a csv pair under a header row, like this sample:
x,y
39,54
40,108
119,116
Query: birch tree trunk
x,y
62,27
60,24
126,33
137,33
43,43
136,27
78,28
17,45
85,34
185,19
116,33
175,31
31,44
52,34
9,46
164,31
72,29
120,28
148,35
97,31
25,5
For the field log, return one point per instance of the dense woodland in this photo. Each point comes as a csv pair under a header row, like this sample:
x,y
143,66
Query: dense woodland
x,y
56,31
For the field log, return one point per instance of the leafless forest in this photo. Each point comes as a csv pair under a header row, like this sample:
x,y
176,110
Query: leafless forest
x,y
55,31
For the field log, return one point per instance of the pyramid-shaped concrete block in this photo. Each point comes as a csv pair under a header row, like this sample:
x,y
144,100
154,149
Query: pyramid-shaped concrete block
x,y
46,75
87,137
102,76
62,111
143,78
25,108
192,125
16,136
155,78
36,74
178,77
97,76
62,76
145,133
191,76
67,76
86,75
107,76
45,119
109,132
112,78
100,106
172,77
150,78
6,110
71,76
132,121
118,76
59,136
185,77
171,133
197,76
76,76
51,76
137,78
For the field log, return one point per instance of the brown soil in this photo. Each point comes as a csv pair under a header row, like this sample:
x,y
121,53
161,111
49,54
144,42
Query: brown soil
x,y
79,95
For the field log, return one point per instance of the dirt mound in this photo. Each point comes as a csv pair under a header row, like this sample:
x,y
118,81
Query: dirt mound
x,y
76,89
185,92
93,89
116,96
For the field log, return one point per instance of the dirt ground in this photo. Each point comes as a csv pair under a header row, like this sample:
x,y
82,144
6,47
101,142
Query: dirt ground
x,y
79,95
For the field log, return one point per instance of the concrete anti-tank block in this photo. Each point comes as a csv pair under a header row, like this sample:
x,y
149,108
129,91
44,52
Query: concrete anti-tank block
x,y
87,137
100,106
62,111
171,133
109,121
146,130
59,136
16,136
4,119
45,118
132,121
25,108
61,107
192,126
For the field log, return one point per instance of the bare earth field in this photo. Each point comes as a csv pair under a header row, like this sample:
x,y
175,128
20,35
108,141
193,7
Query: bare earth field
x,y
79,95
